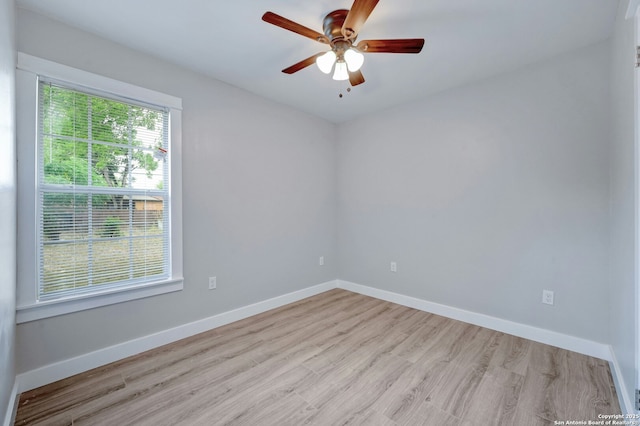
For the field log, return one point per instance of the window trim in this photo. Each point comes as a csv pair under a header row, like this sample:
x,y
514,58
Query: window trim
x,y
28,307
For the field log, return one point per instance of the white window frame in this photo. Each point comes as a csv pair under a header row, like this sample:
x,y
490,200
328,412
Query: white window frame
x,y
28,307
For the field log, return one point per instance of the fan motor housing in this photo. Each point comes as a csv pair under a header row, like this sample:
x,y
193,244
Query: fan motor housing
x,y
332,24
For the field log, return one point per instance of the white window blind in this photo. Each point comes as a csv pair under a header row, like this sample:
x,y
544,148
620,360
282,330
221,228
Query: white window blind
x,y
103,186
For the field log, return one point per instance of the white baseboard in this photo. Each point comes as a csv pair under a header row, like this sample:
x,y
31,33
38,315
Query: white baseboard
x,y
53,372
12,406
626,405
564,341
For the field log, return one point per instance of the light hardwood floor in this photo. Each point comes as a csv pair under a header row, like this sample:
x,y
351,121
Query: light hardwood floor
x,y
335,359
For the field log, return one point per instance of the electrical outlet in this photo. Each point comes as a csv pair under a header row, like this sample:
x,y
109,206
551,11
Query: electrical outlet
x,y
212,283
393,267
321,261
547,297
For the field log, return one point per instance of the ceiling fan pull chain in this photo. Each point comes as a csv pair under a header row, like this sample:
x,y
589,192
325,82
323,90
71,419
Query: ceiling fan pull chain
x,y
348,91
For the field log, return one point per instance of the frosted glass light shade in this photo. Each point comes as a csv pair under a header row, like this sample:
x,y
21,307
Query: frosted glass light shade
x,y
354,59
341,72
326,61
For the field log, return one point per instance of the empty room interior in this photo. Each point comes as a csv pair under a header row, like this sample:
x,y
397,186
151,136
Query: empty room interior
x,y
445,233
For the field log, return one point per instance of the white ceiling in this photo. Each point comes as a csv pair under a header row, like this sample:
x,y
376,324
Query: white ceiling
x,y
466,40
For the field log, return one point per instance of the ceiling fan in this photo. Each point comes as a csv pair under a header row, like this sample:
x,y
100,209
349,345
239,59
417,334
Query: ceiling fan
x,y
341,29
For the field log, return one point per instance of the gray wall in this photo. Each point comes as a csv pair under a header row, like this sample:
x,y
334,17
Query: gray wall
x,y
487,194
258,194
7,203
623,335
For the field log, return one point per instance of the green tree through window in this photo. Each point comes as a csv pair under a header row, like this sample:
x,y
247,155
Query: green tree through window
x,y
102,174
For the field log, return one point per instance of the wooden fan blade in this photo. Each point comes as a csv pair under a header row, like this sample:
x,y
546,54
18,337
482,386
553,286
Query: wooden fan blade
x,y
403,45
356,78
302,64
357,16
287,24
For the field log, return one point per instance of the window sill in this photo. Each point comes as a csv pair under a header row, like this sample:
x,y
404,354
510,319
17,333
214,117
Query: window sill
x,y
41,310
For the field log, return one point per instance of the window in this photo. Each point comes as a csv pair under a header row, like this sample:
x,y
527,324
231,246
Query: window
x,y
102,186
97,192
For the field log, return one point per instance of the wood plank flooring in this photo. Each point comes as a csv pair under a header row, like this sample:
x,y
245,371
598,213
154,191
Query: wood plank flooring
x,y
338,358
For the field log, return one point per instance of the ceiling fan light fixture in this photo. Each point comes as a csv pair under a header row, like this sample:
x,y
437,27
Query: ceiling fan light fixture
x,y
341,28
354,59
341,72
325,62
